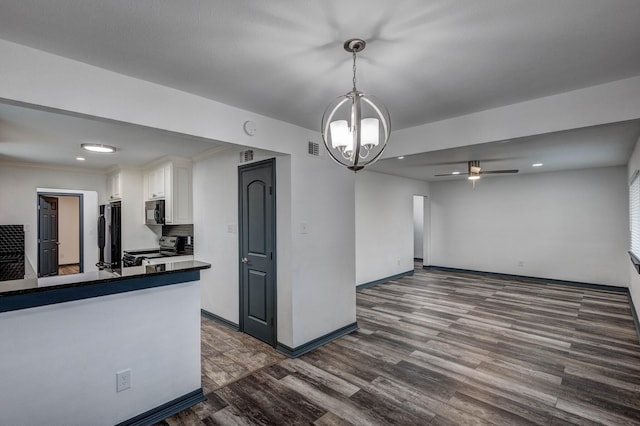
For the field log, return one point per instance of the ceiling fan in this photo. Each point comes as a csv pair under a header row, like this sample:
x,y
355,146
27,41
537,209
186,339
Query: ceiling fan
x,y
474,171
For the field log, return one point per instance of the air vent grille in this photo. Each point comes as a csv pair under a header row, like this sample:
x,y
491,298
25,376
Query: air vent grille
x,y
246,156
313,148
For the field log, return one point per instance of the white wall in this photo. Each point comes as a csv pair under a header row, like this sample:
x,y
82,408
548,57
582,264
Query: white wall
x,y
634,277
18,190
69,353
322,256
315,272
570,225
135,234
605,103
69,230
384,224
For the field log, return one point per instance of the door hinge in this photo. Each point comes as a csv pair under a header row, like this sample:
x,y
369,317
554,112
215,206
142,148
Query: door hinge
x,y
271,190
271,254
272,322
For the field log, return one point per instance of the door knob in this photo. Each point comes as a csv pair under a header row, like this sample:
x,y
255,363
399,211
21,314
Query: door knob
x,y
245,260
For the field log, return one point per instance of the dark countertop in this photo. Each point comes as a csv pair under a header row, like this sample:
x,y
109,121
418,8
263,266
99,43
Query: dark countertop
x,y
32,292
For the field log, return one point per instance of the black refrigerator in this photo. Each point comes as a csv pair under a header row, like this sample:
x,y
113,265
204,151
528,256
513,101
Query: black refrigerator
x,y
109,236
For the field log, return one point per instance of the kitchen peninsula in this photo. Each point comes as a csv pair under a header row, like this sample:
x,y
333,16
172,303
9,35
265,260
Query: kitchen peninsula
x,y
101,348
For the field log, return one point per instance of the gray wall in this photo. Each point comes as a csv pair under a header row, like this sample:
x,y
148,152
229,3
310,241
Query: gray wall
x,y
570,225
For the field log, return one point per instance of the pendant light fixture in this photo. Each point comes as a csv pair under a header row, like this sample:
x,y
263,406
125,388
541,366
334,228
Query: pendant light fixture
x,y
355,126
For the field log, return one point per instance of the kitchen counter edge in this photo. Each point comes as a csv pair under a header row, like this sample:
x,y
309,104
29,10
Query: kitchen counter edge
x,y
101,283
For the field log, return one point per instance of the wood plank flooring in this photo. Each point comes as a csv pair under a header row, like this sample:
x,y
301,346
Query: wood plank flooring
x,y
69,269
443,349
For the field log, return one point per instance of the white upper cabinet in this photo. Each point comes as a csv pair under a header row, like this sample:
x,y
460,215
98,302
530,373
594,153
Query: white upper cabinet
x,y
156,182
114,186
172,181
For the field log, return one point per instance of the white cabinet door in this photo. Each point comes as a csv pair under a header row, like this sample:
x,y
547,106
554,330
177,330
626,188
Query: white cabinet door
x,y
157,181
172,182
114,184
182,195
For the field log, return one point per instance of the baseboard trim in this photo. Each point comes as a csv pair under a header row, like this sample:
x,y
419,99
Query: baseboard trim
x,y
634,313
534,279
316,343
383,280
220,320
167,410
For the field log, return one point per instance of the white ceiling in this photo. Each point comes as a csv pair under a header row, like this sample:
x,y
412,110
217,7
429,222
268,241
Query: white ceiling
x,y
598,146
34,136
427,60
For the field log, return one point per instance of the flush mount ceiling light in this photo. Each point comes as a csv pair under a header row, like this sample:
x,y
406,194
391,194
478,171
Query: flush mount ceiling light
x,y
98,147
537,165
355,126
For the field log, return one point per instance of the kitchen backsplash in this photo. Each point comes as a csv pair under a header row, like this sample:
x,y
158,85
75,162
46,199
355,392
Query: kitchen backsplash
x,y
11,239
180,231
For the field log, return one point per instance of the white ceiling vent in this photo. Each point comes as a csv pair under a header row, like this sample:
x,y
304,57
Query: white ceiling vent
x,y
313,149
246,156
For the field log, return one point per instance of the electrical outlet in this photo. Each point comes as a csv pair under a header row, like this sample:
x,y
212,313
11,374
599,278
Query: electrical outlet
x,y
304,228
123,380
520,263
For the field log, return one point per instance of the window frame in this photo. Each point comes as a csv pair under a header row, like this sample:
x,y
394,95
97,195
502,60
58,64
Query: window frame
x,y
634,219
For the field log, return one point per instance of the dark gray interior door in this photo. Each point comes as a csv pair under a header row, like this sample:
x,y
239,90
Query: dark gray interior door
x,y
47,236
257,250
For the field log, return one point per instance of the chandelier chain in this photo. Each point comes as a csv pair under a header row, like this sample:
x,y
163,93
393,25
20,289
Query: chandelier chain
x,y
354,70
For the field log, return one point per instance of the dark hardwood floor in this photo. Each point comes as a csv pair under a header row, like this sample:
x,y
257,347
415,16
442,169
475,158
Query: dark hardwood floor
x,y
443,349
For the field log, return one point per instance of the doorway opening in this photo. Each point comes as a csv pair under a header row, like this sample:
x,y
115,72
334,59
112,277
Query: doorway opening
x,y
60,236
420,231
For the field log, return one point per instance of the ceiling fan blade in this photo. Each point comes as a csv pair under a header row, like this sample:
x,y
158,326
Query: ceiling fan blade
x,y
452,174
495,172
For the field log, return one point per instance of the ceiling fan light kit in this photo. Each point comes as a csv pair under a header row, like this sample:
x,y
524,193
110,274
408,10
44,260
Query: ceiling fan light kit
x,y
474,172
355,126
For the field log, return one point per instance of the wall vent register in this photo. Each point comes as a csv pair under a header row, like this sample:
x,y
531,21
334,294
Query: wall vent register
x,y
313,149
246,156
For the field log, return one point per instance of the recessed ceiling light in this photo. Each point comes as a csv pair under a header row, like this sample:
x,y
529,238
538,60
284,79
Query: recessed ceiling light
x,y
536,165
98,147
401,157
80,158
455,173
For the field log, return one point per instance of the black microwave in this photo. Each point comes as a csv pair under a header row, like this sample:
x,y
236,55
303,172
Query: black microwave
x,y
154,212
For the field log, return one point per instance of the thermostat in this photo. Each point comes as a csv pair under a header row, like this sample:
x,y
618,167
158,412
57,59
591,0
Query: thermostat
x,y
250,127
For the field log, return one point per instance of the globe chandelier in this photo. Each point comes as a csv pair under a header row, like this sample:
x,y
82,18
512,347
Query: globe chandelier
x,y
355,126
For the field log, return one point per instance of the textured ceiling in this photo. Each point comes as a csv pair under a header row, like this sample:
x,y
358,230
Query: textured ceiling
x,y
427,60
